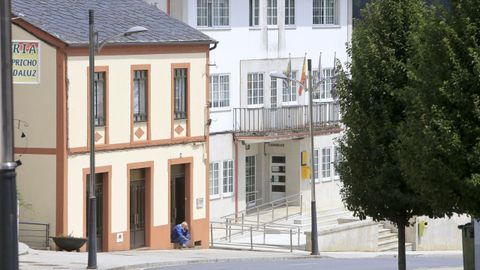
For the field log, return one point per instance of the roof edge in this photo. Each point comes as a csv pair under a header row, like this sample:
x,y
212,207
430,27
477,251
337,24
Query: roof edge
x,y
38,32
119,44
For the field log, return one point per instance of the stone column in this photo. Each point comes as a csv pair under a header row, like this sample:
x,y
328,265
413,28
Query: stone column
x,y
281,29
263,25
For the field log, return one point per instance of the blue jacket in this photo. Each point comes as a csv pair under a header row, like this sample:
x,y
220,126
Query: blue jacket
x,y
179,235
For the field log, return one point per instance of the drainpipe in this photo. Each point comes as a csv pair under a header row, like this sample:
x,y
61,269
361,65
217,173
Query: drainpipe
x,y
236,177
214,46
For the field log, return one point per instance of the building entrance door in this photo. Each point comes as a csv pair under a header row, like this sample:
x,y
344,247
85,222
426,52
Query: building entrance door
x,y
250,181
98,182
137,208
178,195
278,178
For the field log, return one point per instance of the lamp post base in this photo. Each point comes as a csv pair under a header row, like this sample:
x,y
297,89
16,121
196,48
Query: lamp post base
x,y
8,225
92,234
314,229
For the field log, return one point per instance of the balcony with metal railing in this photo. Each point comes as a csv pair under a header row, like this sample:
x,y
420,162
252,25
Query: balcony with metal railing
x,y
291,119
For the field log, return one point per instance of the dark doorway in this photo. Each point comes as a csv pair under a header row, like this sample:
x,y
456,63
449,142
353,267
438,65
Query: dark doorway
x,y
137,208
178,195
98,182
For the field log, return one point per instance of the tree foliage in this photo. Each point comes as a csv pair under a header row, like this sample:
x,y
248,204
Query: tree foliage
x,y
411,108
374,108
440,146
373,105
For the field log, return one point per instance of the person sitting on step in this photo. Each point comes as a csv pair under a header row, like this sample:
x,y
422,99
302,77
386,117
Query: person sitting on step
x,y
181,235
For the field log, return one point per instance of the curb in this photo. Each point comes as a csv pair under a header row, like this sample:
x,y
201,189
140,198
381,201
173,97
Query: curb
x,y
201,261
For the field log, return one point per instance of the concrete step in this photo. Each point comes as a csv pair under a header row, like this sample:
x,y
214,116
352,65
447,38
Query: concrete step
x,y
278,214
394,247
323,217
382,231
387,242
386,236
265,248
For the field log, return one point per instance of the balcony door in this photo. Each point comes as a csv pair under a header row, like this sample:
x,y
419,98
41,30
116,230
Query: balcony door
x,y
278,177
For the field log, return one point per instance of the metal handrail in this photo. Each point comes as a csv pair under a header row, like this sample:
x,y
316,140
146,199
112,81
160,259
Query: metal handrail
x,y
37,238
256,199
285,119
270,207
271,204
290,229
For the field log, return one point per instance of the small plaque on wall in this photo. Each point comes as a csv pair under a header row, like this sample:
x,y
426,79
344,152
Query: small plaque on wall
x,y
199,203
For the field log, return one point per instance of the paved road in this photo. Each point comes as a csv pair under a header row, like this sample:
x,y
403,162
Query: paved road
x,y
452,262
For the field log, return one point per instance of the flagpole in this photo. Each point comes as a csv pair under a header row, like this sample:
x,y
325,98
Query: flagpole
x,y
314,233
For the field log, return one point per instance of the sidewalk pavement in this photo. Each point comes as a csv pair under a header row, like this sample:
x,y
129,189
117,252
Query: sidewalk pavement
x,y
141,259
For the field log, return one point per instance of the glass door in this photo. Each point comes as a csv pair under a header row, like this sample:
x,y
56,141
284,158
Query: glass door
x,y
278,177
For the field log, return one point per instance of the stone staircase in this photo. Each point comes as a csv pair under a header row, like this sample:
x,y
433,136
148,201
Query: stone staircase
x,y
388,240
325,218
274,227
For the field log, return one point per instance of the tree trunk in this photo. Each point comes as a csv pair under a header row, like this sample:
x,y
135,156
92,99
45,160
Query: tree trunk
x,y
402,264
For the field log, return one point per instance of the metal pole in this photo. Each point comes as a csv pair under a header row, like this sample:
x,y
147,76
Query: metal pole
x,y
273,213
211,234
47,234
264,233
92,211
301,205
230,232
258,218
314,204
298,236
251,238
287,211
291,240
476,243
243,220
8,188
226,228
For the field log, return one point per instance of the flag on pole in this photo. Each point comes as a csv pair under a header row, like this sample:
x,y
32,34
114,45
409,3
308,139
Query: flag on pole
x,y
333,91
303,79
288,73
319,70
334,62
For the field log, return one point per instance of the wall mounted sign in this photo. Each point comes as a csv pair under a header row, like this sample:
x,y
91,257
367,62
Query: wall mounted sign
x,y
199,203
26,61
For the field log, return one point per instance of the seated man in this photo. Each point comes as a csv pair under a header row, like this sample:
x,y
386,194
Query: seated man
x,y
180,234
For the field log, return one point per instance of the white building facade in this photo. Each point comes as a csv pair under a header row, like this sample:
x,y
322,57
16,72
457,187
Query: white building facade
x,y
259,126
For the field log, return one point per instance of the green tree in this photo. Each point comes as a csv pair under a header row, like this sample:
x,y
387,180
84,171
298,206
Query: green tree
x,y
373,105
440,146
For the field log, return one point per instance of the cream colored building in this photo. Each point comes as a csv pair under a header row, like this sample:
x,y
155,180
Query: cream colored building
x,y
151,131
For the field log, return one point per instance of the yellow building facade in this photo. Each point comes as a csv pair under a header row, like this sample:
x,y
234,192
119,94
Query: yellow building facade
x,y
151,171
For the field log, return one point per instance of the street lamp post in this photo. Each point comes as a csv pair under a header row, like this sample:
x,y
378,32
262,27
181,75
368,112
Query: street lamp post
x,y
8,189
95,47
314,234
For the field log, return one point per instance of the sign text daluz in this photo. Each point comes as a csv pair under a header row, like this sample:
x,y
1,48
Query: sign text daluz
x,y
26,62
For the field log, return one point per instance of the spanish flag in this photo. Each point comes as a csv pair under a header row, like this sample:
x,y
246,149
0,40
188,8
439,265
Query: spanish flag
x,y
303,79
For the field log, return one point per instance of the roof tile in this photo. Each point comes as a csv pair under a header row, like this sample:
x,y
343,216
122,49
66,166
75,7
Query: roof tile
x,y
68,20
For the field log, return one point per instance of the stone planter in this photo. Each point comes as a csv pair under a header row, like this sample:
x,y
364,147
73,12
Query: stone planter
x,y
69,243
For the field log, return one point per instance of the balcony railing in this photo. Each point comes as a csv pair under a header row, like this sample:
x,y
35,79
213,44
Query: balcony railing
x,y
285,119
